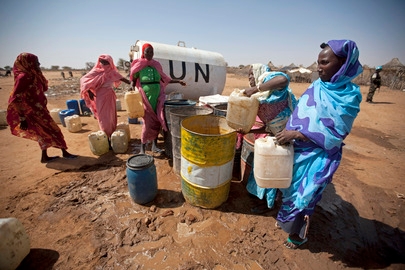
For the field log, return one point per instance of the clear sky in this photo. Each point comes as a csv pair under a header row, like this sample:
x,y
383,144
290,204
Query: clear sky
x,y
73,32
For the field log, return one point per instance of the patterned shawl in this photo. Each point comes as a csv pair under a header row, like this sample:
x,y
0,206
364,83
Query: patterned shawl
x,y
28,97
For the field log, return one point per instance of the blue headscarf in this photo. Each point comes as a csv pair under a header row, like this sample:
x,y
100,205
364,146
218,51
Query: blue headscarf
x,y
331,106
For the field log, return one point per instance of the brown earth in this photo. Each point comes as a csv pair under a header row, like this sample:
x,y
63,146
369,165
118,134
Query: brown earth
x,y
79,215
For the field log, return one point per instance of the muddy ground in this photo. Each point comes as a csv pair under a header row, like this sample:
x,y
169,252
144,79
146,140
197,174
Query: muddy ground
x,y
79,215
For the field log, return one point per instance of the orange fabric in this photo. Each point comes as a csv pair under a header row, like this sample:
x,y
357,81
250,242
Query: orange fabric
x,y
28,97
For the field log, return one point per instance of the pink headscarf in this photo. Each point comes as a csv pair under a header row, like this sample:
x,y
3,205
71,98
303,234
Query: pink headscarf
x,y
98,75
96,78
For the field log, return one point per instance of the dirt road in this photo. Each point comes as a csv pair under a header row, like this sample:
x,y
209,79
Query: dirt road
x,y
79,215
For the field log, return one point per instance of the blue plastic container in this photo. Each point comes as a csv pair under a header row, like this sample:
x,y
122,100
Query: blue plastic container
x,y
83,107
141,178
133,121
73,105
65,113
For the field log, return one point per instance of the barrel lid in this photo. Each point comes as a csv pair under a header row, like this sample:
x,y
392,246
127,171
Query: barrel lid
x,y
179,102
140,161
67,111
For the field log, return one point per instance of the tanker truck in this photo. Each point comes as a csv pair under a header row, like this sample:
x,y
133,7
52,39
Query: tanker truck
x,y
203,71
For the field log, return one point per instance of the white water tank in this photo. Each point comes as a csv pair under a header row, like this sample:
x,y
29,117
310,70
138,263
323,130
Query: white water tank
x,y
203,71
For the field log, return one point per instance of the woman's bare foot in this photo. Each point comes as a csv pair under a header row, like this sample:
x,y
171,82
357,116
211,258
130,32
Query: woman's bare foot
x,y
45,158
48,159
294,241
68,155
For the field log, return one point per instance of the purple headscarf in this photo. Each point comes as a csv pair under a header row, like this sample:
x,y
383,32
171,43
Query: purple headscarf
x,y
351,68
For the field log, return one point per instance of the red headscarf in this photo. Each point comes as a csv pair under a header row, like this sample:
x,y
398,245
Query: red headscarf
x,y
27,65
144,46
28,77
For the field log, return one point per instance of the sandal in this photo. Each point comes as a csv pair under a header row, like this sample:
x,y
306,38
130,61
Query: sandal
x,y
294,244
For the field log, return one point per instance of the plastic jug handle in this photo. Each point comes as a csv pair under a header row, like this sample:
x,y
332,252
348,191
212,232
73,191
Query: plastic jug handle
x,y
271,140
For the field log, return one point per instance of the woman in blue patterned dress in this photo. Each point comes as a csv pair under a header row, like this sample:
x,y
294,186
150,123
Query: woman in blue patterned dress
x,y
276,103
321,121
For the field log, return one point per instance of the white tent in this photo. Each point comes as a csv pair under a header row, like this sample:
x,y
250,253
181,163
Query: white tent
x,y
300,70
300,75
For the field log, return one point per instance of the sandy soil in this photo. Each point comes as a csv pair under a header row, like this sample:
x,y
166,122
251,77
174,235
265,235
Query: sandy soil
x,y
79,215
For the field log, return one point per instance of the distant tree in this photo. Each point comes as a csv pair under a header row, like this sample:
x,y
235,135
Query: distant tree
x,y
54,67
121,64
66,68
7,68
90,65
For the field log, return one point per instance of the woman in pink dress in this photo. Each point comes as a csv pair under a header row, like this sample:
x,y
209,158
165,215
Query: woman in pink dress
x,y
148,76
96,88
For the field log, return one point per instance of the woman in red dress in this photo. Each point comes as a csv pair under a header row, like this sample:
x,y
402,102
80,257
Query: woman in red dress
x,y
27,114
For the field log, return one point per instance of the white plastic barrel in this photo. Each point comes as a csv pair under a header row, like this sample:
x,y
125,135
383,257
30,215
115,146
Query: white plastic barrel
x,y
134,104
73,123
98,142
273,163
55,115
119,141
125,126
203,71
3,118
241,111
14,243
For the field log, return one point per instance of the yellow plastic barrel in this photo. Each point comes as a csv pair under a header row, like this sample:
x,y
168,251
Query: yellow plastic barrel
x,y
207,153
73,123
119,141
125,126
55,115
98,142
3,118
134,104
